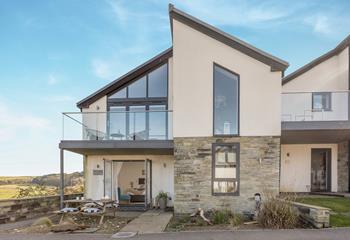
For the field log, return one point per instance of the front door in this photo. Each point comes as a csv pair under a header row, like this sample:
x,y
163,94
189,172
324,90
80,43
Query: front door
x,y
320,170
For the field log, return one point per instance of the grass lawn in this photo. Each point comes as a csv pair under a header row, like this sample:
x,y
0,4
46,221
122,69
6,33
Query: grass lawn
x,y
340,215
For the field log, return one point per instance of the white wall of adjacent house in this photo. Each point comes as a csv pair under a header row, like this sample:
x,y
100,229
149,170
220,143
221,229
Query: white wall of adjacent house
x,y
329,75
162,174
194,54
296,168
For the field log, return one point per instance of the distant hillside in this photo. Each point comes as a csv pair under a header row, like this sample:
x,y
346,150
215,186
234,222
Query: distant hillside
x,y
71,179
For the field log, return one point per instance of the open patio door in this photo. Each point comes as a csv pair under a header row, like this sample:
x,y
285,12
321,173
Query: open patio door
x,y
108,179
148,186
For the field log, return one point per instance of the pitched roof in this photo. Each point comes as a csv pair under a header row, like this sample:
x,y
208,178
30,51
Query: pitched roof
x,y
275,63
341,46
126,78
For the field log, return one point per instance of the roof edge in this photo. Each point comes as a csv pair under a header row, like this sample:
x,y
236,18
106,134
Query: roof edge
x,y
131,75
335,51
275,63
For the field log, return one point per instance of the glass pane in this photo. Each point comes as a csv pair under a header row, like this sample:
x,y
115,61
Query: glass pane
x,y
317,101
327,101
108,179
225,102
225,155
120,94
225,187
137,123
225,172
231,156
157,82
157,122
220,157
138,88
117,123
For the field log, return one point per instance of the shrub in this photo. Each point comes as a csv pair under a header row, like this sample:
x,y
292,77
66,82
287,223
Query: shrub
x,y
222,216
43,221
277,213
236,220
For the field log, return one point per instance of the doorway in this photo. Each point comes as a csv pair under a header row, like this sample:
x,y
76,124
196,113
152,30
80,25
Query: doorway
x,y
129,182
321,170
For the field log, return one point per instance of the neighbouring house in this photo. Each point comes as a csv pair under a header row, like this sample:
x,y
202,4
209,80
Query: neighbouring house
x,y
315,124
211,121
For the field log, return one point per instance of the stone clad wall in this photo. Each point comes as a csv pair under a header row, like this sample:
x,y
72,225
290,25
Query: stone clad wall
x,y
20,209
193,172
343,167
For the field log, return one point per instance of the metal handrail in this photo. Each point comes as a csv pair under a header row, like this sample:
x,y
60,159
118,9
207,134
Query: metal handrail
x,y
65,113
305,92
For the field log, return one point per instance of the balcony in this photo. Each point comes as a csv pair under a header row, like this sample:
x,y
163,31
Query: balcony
x,y
117,132
315,117
315,106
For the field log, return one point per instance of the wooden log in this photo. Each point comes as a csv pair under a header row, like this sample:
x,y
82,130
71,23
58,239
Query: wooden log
x,y
200,212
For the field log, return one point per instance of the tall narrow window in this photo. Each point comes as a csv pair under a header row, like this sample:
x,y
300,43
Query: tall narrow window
x,y
225,179
226,94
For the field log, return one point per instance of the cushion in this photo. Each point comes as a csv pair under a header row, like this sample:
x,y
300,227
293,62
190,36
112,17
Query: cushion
x,y
92,210
68,209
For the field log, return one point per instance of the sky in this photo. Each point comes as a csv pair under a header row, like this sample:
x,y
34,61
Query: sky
x,y
53,53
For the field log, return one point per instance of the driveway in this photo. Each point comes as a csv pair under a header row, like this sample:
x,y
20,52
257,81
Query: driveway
x,y
334,234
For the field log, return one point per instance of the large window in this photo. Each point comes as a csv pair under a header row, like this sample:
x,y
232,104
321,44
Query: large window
x,y
152,85
138,111
226,96
225,174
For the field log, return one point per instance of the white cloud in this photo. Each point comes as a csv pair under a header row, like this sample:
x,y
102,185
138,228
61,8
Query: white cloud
x,y
121,13
52,80
329,24
251,14
101,68
14,124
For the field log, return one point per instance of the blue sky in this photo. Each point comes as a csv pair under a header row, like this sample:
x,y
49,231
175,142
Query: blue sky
x,y
54,53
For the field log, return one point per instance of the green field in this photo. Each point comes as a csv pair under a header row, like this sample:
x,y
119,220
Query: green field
x,y
8,191
340,206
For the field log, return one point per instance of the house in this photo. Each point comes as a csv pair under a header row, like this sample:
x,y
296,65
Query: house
x,y
203,122
315,124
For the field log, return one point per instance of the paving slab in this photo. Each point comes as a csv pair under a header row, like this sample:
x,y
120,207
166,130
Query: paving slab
x,y
152,221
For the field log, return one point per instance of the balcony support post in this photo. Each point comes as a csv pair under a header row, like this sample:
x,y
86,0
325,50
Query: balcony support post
x,y
61,178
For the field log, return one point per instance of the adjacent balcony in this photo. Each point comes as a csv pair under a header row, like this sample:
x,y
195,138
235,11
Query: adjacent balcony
x,y
315,117
315,106
131,132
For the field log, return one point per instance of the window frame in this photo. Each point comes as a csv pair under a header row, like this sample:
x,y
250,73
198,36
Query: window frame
x,y
213,179
146,98
323,94
147,101
238,101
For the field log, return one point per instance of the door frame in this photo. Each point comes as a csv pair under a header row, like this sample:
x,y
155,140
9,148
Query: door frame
x,y
147,175
328,168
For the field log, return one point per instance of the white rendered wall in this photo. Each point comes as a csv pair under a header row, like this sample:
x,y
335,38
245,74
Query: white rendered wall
x,y
194,54
296,169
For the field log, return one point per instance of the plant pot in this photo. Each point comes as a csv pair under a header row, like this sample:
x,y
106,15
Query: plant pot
x,y
162,203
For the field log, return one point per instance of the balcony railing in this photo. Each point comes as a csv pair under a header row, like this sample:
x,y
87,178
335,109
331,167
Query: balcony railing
x,y
315,106
121,125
